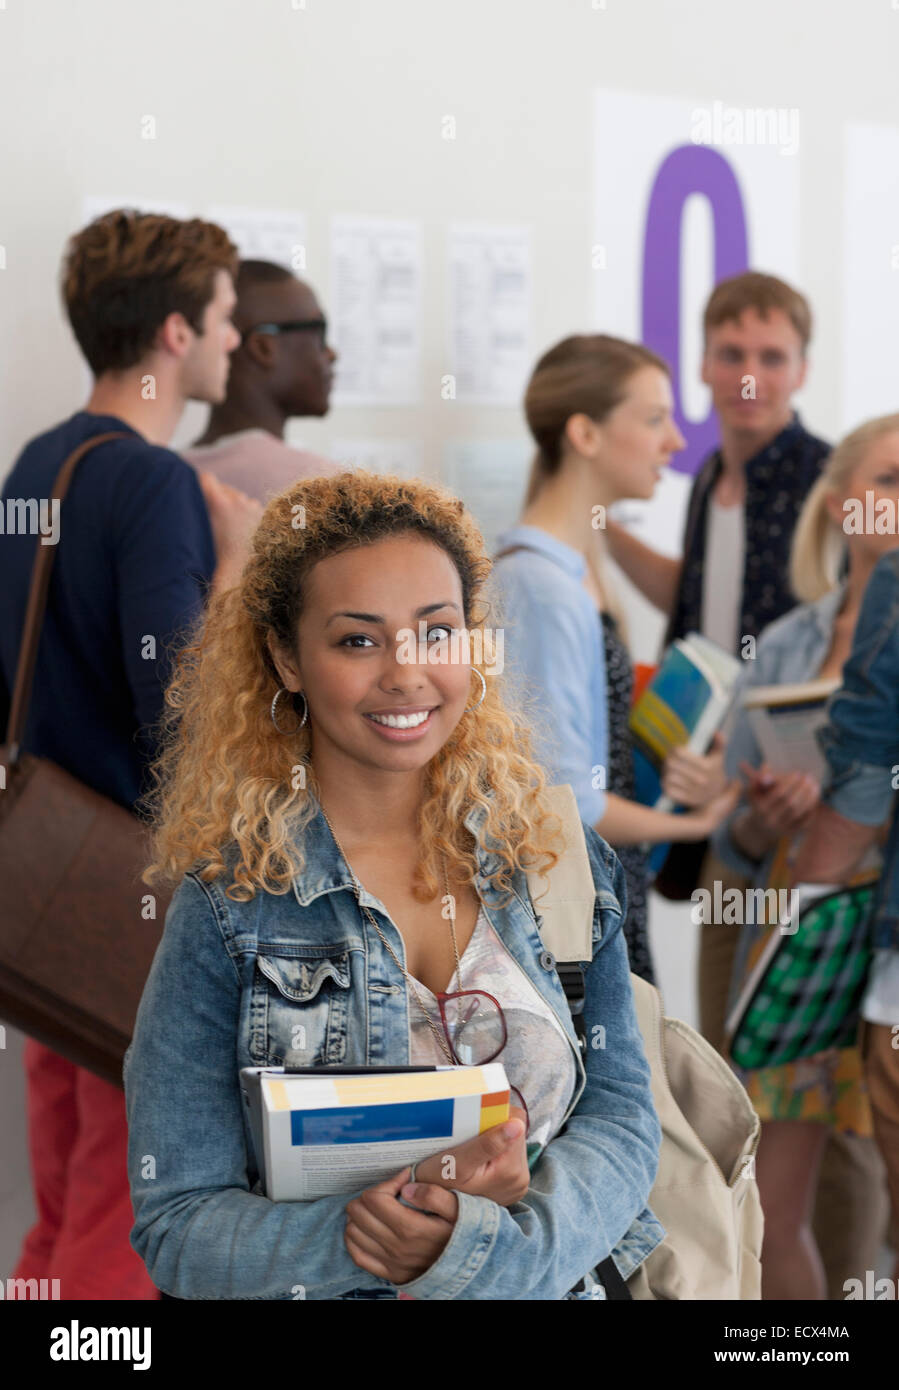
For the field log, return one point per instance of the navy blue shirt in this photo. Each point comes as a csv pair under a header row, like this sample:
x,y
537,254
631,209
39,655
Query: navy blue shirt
x,y
133,563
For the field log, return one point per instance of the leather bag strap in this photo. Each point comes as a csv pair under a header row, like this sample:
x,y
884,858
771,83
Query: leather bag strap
x,y
37,603
510,550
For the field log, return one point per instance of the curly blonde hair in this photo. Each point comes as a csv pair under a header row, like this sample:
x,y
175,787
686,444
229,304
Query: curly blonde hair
x,y
227,777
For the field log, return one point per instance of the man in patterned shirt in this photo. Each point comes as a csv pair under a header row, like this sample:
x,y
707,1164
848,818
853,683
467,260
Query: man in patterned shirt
x,y
750,489
732,580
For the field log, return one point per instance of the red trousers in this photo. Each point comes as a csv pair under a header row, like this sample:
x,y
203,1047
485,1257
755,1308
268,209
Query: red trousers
x,y
78,1142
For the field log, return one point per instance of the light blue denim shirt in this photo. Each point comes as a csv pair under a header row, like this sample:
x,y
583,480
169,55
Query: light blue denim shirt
x,y
791,649
861,740
555,659
230,982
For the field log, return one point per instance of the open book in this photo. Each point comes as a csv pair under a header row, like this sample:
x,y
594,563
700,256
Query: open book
x,y
325,1130
785,719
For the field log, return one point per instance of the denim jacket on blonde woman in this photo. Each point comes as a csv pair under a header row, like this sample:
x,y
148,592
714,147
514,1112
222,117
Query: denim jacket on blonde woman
x,y
229,985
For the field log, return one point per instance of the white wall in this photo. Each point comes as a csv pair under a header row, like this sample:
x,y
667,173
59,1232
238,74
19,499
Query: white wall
x,y
337,108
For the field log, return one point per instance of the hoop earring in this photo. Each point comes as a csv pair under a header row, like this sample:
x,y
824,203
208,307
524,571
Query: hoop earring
x,y
479,702
289,732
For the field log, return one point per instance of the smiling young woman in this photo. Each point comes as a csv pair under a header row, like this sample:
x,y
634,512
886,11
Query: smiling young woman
x,y
340,864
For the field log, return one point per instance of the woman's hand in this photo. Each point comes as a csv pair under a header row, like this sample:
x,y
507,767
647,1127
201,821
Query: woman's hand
x,y
494,1164
698,825
394,1242
695,779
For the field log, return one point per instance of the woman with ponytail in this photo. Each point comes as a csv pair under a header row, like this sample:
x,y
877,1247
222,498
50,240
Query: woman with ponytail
x,y
802,1103
600,412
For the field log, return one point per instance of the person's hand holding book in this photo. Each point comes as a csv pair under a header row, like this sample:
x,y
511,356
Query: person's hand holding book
x,y
694,779
395,1242
493,1165
699,824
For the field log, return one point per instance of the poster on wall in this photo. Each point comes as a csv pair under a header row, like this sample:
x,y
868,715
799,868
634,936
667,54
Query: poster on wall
x,y
490,476
686,193
489,318
264,234
375,309
870,273
401,458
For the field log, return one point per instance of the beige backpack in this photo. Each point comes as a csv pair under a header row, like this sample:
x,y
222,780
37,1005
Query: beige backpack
x,y
705,1194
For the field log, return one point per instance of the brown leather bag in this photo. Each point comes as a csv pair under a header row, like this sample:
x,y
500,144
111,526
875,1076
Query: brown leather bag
x,y
78,929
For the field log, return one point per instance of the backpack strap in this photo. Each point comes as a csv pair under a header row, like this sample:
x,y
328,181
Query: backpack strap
x,y
565,923
565,912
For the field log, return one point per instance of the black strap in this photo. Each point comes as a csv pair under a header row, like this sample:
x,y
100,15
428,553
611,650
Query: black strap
x,y
612,1281
571,977
37,603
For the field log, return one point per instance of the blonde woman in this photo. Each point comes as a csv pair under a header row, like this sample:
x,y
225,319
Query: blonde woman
x,y
324,792
803,1102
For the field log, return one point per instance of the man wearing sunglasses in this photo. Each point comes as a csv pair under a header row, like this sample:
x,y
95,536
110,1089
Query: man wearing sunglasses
x,y
283,368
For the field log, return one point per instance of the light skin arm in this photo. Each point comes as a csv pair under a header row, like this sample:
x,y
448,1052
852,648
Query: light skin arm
x,y
657,576
630,823
832,847
233,517
779,804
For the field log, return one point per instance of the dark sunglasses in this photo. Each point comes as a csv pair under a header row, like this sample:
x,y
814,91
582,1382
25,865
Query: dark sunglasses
x,y
319,326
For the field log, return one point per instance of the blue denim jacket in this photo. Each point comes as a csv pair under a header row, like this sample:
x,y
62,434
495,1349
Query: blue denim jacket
x,y
861,739
230,982
792,649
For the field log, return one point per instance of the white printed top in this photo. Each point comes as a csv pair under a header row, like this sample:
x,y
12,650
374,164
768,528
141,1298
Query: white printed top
x,y
537,1055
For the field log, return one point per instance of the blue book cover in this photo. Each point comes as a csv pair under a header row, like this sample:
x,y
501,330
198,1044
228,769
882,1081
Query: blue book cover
x,y
681,704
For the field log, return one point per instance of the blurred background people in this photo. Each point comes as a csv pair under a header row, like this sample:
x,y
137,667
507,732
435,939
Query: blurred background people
x,y
733,575
802,1103
861,742
141,544
283,368
600,412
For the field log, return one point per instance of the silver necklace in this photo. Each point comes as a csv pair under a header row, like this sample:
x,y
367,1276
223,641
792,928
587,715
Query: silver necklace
x,y
409,980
